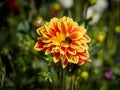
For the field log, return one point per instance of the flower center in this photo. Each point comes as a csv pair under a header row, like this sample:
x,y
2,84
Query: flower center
x,y
58,39
67,39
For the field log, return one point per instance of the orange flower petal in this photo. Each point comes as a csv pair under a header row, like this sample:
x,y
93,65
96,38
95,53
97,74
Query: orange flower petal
x,y
71,51
46,35
87,38
64,63
53,25
62,50
74,59
81,62
63,28
55,49
84,55
75,45
88,60
82,40
39,46
64,18
64,44
39,30
47,45
84,46
67,55
56,57
72,26
50,31
75,36
48,51
46,41
77,33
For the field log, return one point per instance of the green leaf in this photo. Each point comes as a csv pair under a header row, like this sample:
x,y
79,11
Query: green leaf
x,y
95,50
23,26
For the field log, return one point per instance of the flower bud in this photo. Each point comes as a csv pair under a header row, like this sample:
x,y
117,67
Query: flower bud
x,y
66,3
38,21
92,2
55,9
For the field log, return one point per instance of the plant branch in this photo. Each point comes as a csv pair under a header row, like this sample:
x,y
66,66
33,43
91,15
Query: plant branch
x,y
32,9
73,87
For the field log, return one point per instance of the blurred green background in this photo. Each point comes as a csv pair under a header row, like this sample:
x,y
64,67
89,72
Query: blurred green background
x,y
23,68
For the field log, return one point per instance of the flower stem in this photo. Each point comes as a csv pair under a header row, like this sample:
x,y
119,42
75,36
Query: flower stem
x,y
50,81
85,16
61,79
64,79
73,87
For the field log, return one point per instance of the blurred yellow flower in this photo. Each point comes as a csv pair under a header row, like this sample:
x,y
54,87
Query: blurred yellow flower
x,y
85,75
55,9
65,39
57,6
92,2
101,37
117,29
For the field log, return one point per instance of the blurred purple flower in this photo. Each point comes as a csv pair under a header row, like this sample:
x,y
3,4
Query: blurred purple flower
x,y
107,74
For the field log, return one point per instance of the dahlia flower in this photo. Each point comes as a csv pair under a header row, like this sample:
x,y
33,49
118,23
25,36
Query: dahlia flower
x,y
65,39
